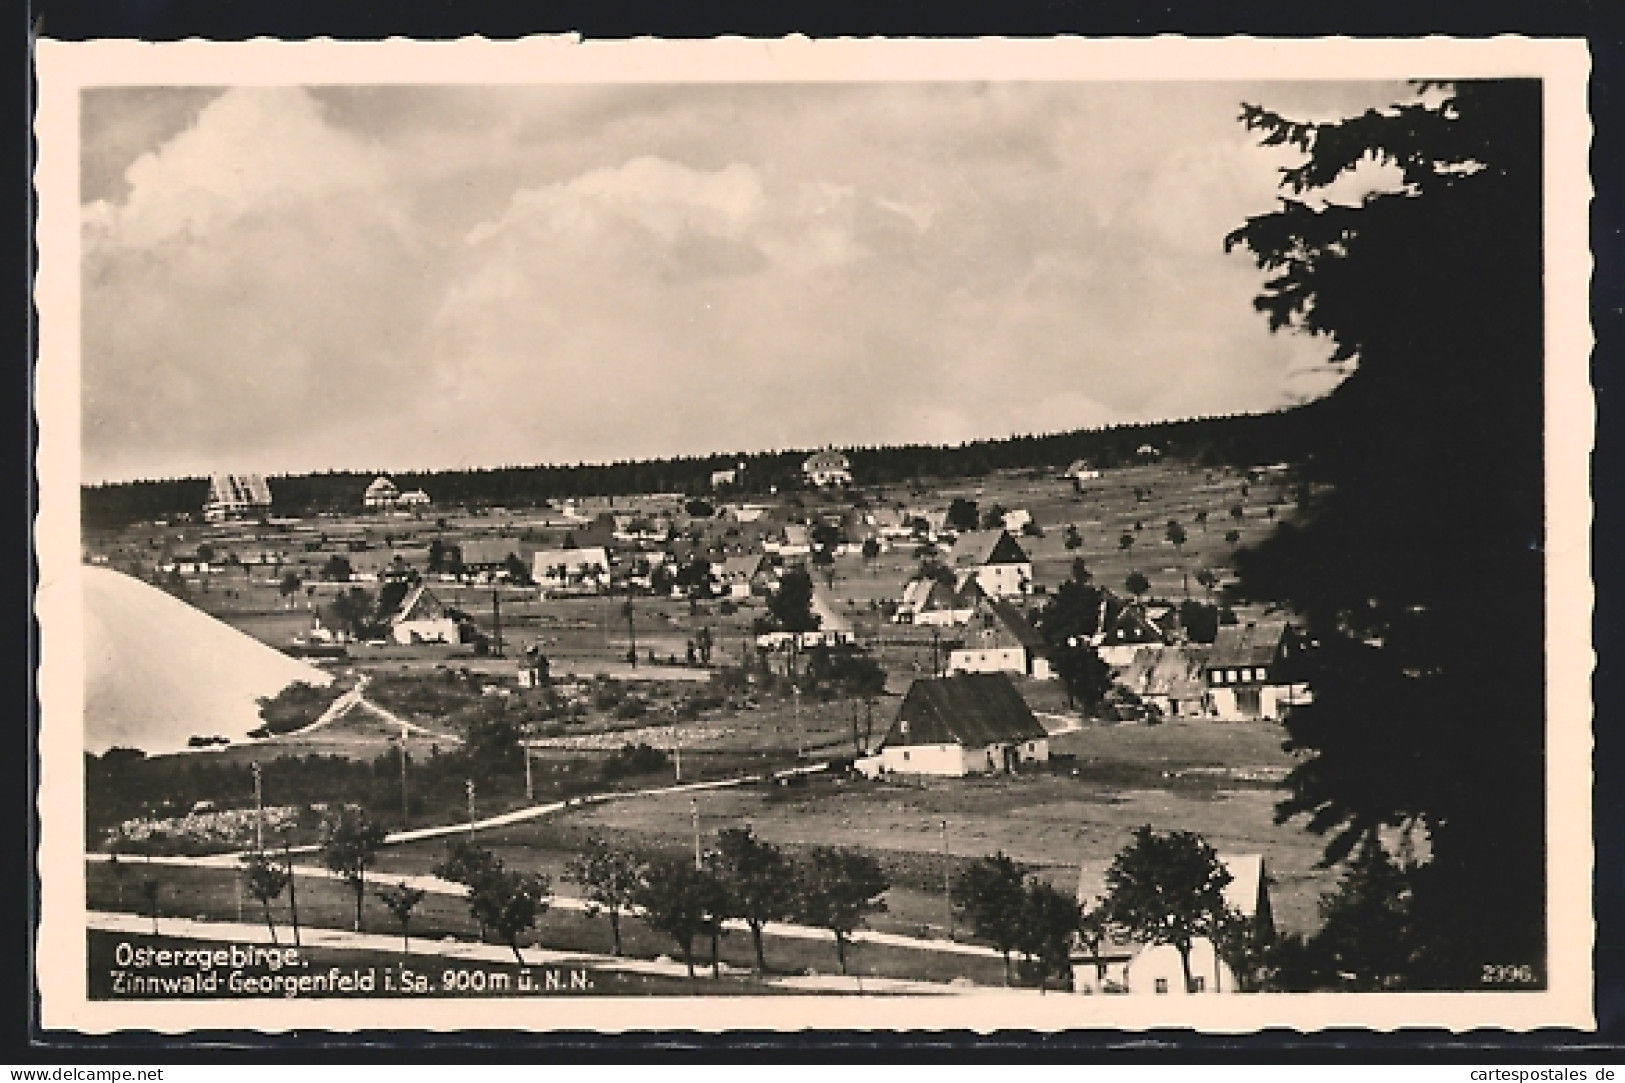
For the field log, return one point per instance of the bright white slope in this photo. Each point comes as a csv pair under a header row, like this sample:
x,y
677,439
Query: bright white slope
x,y
158,671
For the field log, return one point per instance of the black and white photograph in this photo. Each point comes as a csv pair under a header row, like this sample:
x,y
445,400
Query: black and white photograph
x,y
892,534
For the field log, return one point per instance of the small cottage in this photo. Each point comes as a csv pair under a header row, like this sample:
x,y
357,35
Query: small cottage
x,y
962,724
421,618
827,469
1248,672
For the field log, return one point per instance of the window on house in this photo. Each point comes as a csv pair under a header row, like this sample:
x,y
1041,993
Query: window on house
x,y
1198,984
905,753
1259,674
1162,985
1231,676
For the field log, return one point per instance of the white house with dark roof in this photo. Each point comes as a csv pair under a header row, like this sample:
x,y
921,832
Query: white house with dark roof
x,y
422,619
961,724
1001,567
930,601
583,571
382,494
1244,671
1123,965
827,469
999,639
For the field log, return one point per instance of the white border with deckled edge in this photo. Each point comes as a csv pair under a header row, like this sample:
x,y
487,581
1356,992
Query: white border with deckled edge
x,y
64,68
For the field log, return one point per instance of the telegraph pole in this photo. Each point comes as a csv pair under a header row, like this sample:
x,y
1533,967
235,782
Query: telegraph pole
x,y
801,743
469,786
496,619
947,888
530,787
259,810
694,811
406,808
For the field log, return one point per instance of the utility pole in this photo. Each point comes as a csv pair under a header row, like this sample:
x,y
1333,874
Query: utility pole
x,y
631,632
293,895
406,808
801,742
259,810
496,619
936,670
469,786
694,811
947,887
677,745
530,786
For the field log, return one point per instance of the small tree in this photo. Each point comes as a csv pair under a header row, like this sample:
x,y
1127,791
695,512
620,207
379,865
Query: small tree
x,y
1208,579
1136,584
961,514
1072,539
673,898
1167,889
1125,541
1366,931
350,844
989,894
1094,927
509,903
758,879
837,890
266,882
1047,920
472,866
402,899
1231,537
611,878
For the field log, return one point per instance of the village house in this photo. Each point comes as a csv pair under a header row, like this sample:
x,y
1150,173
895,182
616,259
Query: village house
x,y
1125,630
1017,520
1001,567
599,533
721,479
1081,471
584,571
1247,673
827,469
1169,678
1125,966
381,495
999,639
236,496
931,601
421,618
742,576
961,724
413,499
490,557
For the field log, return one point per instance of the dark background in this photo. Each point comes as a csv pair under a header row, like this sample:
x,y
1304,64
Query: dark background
x,y
1602,22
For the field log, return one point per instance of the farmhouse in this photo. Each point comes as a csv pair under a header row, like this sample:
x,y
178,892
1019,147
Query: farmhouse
x,y
1247,671
1081,471
724,478
827,469
1001,567
1126,966
413,498
422,619
236,496
744,575
965,723
584,571
1169,678
928,600
1126,629
488,556
381,494
999,639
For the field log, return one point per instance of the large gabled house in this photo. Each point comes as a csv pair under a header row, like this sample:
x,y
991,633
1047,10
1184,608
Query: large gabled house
x,y
998,638
1170,679
1125,965
1126,628
1248,671
743,575
1001,567
579,571
827,469
961,724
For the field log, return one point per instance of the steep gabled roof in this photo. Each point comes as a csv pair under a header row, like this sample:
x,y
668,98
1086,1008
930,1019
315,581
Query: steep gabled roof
x,y
971,709
976,548
1252,644
826,460
481,551
1008,624
1166,671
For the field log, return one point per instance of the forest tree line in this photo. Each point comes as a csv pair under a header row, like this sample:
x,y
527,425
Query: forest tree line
x,y
1240,440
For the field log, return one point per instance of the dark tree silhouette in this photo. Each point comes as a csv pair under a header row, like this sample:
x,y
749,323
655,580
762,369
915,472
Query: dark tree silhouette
x,y
1167,889
837,890
401,900
611,877
990,896
350,844
1429,688
266,882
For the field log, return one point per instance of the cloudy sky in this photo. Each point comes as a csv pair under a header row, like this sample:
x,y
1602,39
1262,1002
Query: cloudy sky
x,y
294,279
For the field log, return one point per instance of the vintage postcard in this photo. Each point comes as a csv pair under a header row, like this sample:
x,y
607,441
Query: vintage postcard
x,y
991,535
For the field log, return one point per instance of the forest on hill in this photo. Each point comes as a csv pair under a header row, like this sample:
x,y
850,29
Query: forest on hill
x,y
1239,440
